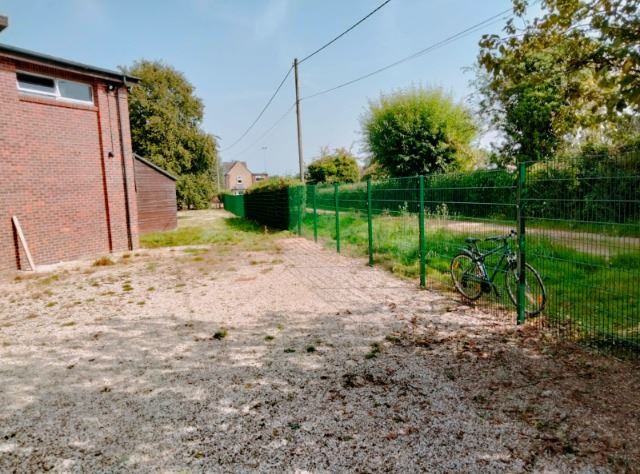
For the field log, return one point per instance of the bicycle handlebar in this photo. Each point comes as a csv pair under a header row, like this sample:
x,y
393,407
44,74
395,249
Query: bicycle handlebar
x,y
498,238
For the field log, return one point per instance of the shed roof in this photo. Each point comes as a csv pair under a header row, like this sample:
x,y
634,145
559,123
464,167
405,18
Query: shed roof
x,y
47,60
155,167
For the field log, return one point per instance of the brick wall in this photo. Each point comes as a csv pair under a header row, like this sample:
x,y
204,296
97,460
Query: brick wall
x,y
156,198
56,174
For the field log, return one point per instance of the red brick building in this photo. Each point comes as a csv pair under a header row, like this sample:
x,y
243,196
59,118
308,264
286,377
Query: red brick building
x,y
66,163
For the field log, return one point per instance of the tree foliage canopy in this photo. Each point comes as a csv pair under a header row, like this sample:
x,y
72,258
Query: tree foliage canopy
x,y
337,166
567,76
418,131
166,120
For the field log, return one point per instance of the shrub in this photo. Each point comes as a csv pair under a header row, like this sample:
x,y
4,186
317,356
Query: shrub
x,y
338,166
418,131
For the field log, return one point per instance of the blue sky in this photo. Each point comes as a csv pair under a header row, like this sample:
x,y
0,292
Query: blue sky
x,y
235,52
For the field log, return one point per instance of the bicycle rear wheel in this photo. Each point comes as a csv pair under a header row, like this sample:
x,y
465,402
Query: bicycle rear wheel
x,y
535,294
467,276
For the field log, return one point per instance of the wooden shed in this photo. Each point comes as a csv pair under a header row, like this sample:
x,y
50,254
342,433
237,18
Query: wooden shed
x,y
156,197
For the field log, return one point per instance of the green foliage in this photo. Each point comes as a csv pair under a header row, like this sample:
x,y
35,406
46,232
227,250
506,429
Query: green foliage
x,y
374,171
418,131
272,184
194,191
166,119
569,75
338,166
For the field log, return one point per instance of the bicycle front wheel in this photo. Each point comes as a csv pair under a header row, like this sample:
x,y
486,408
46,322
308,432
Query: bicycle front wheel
x,y
467,276
535,294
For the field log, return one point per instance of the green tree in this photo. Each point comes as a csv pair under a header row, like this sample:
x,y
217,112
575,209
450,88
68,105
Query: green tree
x,y
560,80
166,119
417,131
337,166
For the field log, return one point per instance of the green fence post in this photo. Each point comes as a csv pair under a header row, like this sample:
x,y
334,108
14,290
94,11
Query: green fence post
x,y
423,248
300,195
370,220
336,189
315,214
521,242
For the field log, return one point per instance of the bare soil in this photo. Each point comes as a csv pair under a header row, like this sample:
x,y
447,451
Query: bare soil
x,y
295,359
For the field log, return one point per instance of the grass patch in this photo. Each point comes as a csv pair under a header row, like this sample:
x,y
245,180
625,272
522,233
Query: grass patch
x,y
376,348
242,234
50,279
268,338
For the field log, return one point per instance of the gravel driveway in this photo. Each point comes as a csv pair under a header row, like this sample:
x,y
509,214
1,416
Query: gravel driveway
x,y
291,360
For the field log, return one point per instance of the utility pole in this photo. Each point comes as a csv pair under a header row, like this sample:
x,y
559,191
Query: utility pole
x,y
300,157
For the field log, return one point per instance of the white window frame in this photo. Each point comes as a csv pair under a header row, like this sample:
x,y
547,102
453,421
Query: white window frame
x,y
56,94
239,180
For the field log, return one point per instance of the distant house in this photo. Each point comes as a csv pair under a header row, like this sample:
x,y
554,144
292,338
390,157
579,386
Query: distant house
x,y
66,163
156,197
238,178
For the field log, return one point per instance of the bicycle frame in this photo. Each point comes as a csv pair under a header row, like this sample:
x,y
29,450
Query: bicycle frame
x,y
479,258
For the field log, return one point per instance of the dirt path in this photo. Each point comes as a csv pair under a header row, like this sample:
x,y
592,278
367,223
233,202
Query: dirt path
x,y
296,360
588,242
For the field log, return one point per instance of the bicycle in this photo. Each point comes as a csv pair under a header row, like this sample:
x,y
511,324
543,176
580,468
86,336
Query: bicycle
x,y
471,279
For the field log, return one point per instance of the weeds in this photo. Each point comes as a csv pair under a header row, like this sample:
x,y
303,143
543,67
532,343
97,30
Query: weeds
x,y
376,348
220,334
103,262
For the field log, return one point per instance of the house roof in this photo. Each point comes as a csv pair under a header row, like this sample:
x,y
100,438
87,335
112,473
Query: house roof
x,y
155,167
227,165
46,60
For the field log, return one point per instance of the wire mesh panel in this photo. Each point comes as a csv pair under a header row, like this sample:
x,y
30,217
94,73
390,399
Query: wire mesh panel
x,y
319,217
463,210
279,208
394,205
583,236
234,204
559,240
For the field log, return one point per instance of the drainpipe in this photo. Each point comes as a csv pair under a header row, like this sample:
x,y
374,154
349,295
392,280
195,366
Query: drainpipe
x,y
124,165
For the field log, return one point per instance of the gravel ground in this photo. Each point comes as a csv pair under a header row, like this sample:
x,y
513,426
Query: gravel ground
x,y
291,360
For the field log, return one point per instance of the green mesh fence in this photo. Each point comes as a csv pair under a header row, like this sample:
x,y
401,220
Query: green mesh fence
x,y
583,236
554,243
234,204
280,209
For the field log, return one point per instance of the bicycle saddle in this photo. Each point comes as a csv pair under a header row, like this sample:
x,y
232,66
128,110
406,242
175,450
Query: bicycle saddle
x,y
471,240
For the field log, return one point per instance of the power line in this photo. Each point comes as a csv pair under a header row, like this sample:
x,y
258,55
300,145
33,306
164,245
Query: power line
x,y
467,31
355,25
273,96
267,132
264,109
